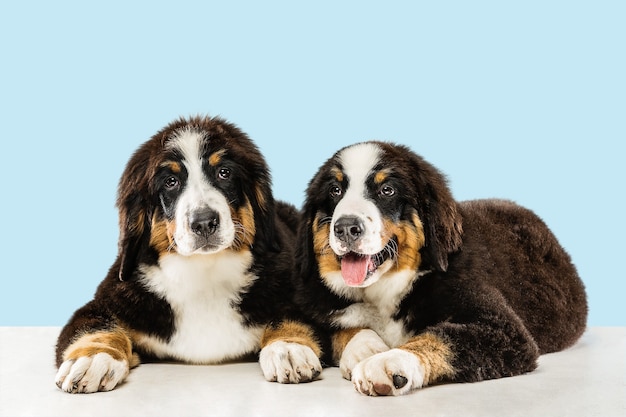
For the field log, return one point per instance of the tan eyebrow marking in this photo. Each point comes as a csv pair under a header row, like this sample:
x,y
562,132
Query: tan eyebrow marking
x,y
172,165
381,176
216,157
337,173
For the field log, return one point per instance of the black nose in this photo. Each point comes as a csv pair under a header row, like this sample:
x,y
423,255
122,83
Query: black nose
x,y
349,229
204,222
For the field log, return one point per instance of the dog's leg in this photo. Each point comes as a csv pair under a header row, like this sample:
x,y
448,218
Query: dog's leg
x,y
290,353
351,346
96,361
493,345
424,359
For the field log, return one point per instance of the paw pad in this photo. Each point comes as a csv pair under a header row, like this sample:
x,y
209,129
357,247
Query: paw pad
x,y
382,389
399,381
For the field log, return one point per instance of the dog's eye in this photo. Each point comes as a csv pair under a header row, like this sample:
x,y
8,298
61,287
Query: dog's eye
x,y
223,173
335,191
387,191
171,182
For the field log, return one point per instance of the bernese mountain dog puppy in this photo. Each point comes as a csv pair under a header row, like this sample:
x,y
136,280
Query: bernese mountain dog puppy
x,y
204,267
413,288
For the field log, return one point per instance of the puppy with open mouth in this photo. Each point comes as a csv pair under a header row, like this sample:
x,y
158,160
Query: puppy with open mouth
x,y
411,288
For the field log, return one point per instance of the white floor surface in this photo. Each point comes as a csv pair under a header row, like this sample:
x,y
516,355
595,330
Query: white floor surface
x,y
588,379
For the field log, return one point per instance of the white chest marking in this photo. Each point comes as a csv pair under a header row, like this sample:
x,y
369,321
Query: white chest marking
x,y
201,290
378,304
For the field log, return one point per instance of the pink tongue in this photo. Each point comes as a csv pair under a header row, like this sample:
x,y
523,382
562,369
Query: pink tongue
x,y
354,269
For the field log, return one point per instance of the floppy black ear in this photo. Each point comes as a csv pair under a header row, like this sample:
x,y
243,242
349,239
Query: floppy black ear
x,y
311,290
134,235
134,212
438,212
306,259
264,209
305,252
259,192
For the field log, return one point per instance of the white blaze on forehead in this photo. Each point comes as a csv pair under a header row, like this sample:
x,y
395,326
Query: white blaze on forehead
x,y
198,192
358,163
188,143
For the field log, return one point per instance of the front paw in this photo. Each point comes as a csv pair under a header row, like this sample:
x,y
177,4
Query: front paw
x,y
395,372
289,363
87,374
364,344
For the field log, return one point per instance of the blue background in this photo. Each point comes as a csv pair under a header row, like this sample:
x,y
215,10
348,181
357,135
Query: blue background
x,y
522,100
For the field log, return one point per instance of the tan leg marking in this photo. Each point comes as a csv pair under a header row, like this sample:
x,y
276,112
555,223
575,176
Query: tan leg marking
x,y
292,332
434,354
116,343
340,339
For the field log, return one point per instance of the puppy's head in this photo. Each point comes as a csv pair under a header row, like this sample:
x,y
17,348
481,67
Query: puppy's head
x,y
197,187
375,208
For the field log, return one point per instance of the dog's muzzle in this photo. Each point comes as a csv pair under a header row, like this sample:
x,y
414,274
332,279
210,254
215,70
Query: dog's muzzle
x,y
349,230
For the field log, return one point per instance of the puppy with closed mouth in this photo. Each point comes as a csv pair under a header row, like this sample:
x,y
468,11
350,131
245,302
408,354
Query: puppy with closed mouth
x,y
412,288
204,268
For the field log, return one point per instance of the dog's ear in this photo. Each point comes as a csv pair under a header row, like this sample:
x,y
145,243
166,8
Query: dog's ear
x,y
134,237
263,207
306,256
306,261
134,213
262,202
438,211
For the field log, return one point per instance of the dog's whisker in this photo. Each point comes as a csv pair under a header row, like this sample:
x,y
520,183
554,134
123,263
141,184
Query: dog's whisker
x,y
392,250
241,235
325,249
324,220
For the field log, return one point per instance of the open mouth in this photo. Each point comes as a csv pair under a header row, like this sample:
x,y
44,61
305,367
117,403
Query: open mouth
x,y
356,267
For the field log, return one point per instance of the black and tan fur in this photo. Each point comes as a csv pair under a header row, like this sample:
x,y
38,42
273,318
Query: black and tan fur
x,y
440,291
204,265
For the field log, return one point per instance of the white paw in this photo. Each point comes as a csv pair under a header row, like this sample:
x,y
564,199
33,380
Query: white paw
x,y
395,372
287,362
91,373
364,344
